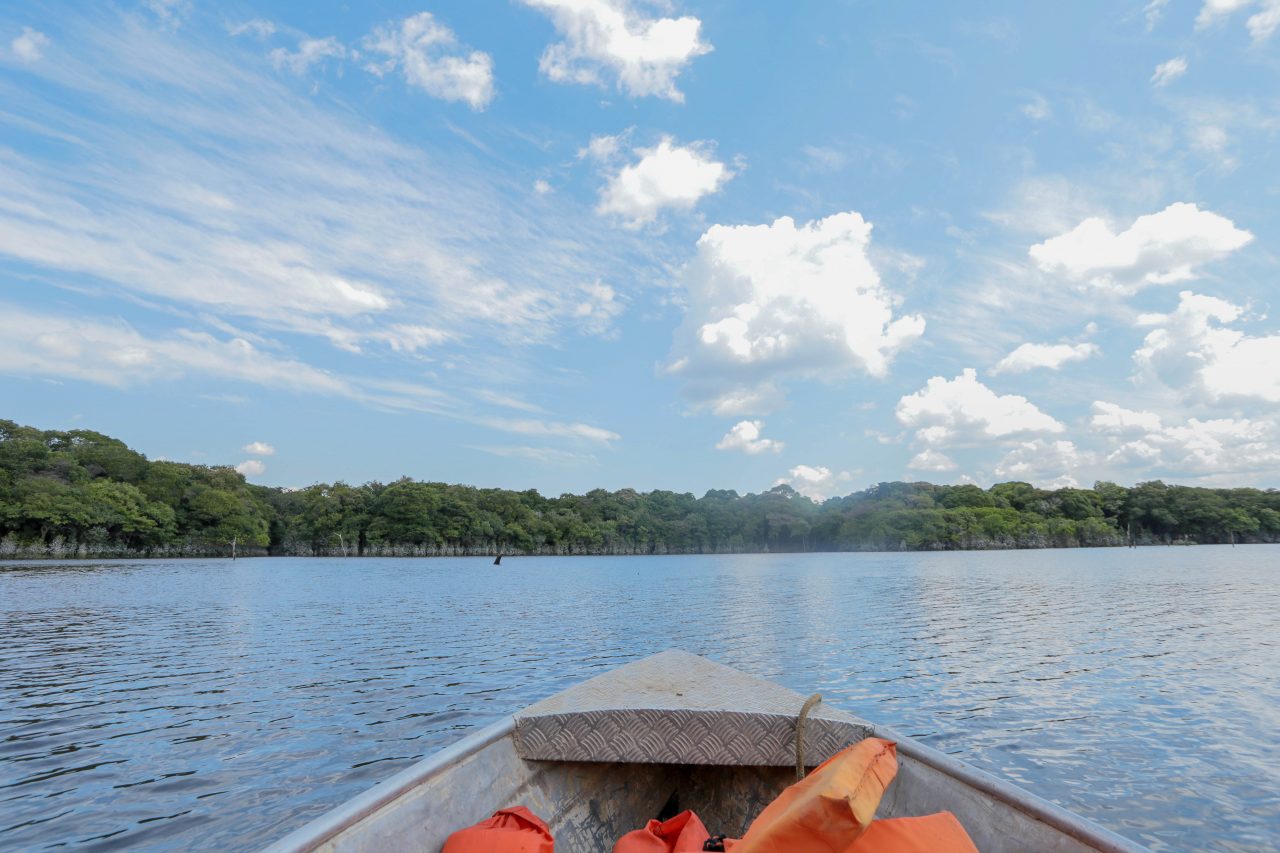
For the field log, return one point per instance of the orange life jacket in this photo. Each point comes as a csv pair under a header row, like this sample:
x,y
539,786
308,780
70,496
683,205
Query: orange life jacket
x,y
935,833
827,810
513,830
683,833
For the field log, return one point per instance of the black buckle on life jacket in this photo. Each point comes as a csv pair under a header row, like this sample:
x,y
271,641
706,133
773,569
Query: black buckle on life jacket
x,y
714,843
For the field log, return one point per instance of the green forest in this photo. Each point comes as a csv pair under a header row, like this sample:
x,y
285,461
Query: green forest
x,y
81,493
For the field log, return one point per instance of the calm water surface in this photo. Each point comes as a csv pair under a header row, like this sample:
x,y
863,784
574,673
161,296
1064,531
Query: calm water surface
x,y
210,704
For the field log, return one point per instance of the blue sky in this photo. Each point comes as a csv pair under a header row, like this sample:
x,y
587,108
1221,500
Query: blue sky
x,y
564,244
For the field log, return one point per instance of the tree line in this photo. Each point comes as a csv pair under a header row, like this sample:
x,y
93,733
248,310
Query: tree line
x,y
82,493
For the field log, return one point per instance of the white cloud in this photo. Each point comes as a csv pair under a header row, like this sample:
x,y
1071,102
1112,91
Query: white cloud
x,y
313,223
119,356
259,448
310,52
603,147
766,302
541,455
821,158
964,410
814,481
258,28
1264,24
169,12
1168,71
1212,140
541,187
30,45
429,56
1037,109
1030,356
668,175
1154,11
1191,349
530,426
252,468
931,460
1046,464
745,436
1112,418
406,337
1220,450
611,37
1159,248
598,307
1213,10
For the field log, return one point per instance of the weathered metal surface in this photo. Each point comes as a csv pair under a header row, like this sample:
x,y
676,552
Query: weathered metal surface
x,y
590,804
678,708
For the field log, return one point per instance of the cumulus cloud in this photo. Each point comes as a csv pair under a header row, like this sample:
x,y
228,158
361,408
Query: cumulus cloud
x,y
252,468
1159,248
746,437
30,45
610,38
1049,356
1113,418
768,302
1220,449
259,448
1047,464
310,52
931,460
814,481
960,410
1191,349
668,175
1167,72
429,56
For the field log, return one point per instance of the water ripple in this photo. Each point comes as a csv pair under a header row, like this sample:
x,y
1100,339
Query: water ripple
x,y
167,704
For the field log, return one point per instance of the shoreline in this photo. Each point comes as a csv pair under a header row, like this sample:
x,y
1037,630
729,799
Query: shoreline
x,y
446,553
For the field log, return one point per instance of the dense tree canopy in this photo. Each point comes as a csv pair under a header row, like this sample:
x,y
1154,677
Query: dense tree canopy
x,y
81,492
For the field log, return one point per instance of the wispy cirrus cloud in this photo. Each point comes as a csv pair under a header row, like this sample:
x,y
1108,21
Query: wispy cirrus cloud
x,y
1168,71
205,189
312,222
310,52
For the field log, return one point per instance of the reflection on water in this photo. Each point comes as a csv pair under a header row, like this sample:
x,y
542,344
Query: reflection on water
x,y
170,704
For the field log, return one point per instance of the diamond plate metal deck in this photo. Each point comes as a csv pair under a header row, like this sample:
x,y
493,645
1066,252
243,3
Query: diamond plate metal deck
x,y
678,708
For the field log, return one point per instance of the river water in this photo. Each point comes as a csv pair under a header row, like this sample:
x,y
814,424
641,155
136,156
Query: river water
x,y
216,705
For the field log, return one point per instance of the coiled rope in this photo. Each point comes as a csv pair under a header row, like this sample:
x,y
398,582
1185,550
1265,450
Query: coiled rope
x,y
800,723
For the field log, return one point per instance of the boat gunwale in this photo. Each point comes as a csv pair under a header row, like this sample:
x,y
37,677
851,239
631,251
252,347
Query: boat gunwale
x,y
342,817
1033,805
